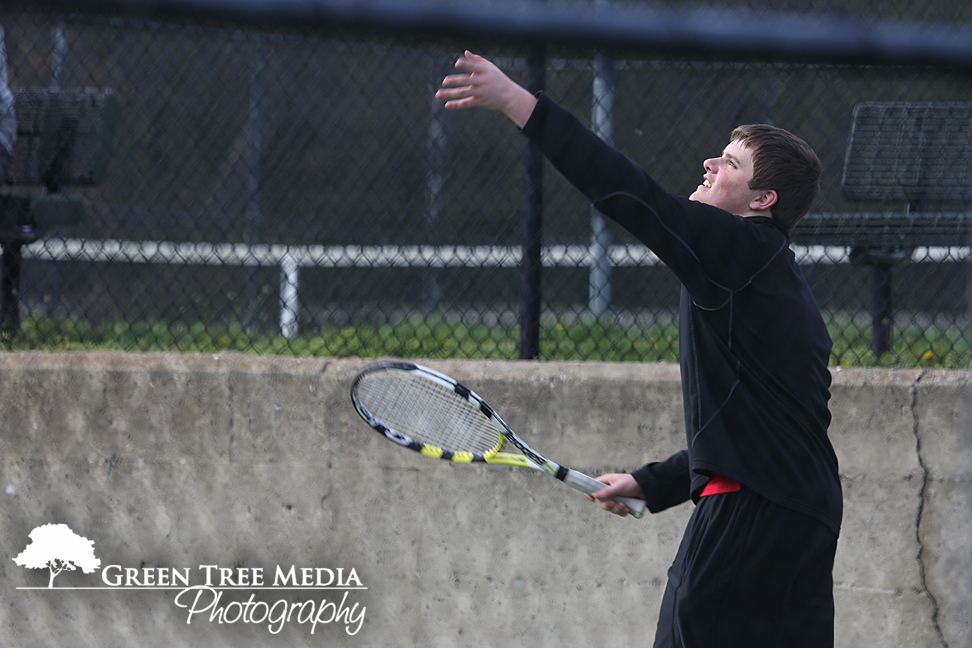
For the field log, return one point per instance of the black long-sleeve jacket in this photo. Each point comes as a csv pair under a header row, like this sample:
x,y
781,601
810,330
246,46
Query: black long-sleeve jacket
x,y
753,345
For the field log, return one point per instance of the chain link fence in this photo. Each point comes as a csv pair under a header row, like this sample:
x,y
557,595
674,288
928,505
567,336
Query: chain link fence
x,y
288,190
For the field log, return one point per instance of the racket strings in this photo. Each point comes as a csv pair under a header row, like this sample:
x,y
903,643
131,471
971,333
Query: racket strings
x,y
428,412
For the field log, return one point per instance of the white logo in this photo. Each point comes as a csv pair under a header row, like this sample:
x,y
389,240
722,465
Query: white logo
x,y
57,547
201,591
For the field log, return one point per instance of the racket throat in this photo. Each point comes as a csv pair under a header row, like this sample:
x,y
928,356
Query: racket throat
x,y
561,473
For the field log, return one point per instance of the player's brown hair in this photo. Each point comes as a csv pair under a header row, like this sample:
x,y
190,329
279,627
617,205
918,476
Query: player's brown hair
x,y
784,163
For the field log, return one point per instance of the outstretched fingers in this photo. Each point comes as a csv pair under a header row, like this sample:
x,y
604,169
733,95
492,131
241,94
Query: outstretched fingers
x,y
465,89
480,84
457,91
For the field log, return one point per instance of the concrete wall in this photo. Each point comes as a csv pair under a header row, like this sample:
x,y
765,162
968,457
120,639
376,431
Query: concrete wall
x,y
174,462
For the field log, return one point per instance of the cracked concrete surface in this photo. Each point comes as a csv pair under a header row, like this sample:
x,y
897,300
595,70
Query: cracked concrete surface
x,y
922,494
903,442
186,460
945,530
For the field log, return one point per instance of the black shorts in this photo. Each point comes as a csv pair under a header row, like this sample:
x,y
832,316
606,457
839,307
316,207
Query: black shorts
x,y
749,573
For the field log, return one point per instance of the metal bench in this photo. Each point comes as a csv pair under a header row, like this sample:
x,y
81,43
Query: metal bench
x,y
64,139
918,155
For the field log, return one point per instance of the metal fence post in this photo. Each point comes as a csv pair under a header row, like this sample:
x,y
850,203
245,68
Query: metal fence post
x,y
253,217
599,284
289,304
531,263
437,169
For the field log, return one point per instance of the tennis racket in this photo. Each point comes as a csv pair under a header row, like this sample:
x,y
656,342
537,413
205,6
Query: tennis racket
x,y
428,412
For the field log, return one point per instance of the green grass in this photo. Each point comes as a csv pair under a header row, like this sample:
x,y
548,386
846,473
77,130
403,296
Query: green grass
x,y
435,337
910,347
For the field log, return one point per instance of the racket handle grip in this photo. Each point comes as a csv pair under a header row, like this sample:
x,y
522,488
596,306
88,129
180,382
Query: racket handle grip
x,y
587,484
636,507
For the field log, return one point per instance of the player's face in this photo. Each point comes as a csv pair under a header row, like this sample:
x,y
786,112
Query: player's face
x,y
725,183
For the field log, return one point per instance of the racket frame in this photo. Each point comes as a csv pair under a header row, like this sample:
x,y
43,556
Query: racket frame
x,y
529,458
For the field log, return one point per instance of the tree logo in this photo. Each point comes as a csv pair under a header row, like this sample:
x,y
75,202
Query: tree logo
x,y
57,547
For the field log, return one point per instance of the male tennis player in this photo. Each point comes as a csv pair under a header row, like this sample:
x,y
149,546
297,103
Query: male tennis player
x,y
754,568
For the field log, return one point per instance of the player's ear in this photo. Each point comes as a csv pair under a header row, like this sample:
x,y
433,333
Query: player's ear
x,y
764,200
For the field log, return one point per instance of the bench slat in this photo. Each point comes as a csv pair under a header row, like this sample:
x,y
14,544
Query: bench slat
x,y
64,137
884,229
910,152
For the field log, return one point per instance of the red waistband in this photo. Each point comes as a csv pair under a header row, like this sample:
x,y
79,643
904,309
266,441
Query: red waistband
x,y
719,484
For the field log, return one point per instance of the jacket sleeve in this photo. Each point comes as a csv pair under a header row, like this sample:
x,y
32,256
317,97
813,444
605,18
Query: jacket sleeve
x,y
665,483
693,239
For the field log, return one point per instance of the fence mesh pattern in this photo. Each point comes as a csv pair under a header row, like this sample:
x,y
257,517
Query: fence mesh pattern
x,y
300,191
